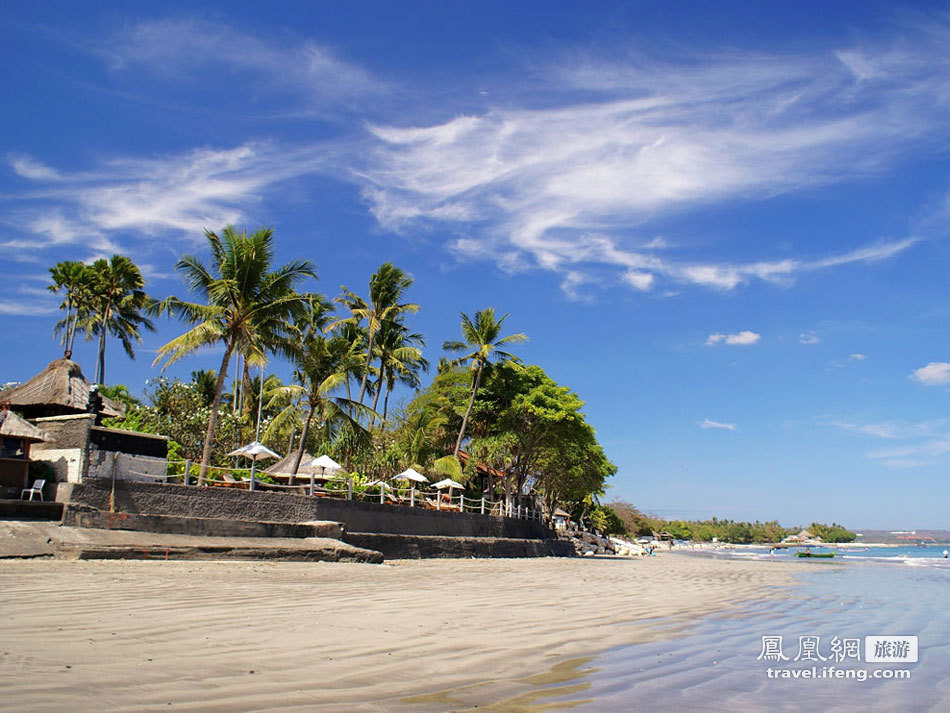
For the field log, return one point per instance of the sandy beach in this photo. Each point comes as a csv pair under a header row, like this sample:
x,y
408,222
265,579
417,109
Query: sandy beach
x,y
247,636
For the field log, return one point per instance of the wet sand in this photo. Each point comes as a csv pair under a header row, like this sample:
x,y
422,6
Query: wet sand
x,y
410,635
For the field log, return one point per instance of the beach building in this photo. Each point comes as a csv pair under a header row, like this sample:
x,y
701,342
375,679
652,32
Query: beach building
x,y
562,519
802,538
65,406
16,437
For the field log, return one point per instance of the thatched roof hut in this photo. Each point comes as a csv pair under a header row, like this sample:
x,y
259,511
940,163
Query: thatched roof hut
x,y
12,426
58,390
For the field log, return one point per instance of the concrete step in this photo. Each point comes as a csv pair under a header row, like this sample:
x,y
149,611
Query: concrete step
x,y
84,516
30,510
435,546
21,539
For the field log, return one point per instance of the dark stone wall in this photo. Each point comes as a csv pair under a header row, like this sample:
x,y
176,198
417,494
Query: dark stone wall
x,y
139,444
427,547
66,432
185,501
189,501
361,516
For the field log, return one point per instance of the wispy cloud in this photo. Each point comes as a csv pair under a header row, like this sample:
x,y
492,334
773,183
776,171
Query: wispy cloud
x,y
307,75
808,338
857,357
924,442
179,195
936,373
744,338
574,185
706,423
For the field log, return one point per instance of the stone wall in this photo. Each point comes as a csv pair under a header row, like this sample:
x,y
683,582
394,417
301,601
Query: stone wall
x,y
189,501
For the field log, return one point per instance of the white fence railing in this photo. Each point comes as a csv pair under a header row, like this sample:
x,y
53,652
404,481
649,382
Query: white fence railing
x,y
345,489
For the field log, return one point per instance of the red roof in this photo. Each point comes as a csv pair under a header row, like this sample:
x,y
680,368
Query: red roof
x,y
481,468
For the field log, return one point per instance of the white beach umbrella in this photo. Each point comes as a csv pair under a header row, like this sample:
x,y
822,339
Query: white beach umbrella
x,y
254,450
379,484
325,462
447,483
411,474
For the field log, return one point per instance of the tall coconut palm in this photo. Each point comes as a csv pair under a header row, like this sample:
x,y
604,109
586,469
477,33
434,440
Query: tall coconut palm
x,y
72,278
480,335
387,288
399,353
246,306
320,370
115,302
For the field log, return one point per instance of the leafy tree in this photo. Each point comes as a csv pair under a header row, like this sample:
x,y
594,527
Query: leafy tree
x,y
481,336
180,411
832,533
246,307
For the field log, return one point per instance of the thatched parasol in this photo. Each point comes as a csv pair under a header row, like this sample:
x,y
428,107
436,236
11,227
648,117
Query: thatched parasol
x,y
58,390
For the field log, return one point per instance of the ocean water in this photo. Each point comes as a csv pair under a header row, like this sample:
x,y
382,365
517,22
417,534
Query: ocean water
x,y
716,664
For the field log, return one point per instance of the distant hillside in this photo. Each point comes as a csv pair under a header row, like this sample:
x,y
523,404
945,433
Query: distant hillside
x,y
905,537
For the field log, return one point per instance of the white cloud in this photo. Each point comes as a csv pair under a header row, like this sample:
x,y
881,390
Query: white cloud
x,y
743,338
579,181
179,195
934,374
808,338
858,357
297,70
706,423
924,443
34,170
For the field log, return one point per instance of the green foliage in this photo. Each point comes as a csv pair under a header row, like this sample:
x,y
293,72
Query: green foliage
x,y
178,410
522,423
831,533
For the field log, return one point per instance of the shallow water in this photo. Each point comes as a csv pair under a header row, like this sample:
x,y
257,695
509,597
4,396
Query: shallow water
x,y
715,665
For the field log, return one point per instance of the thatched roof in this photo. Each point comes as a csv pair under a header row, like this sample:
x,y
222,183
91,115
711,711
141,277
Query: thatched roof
x,y
286,465
13,426
58,390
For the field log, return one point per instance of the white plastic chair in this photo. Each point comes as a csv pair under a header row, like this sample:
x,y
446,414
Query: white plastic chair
x,y
37,489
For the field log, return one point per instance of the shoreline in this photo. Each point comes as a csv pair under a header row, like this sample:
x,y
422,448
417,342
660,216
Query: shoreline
x,y
325,636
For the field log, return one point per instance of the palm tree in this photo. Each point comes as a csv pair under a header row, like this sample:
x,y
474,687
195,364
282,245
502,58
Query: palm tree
x,y
246,306
115,301
387,286
320,370
400,359
71,277
481,336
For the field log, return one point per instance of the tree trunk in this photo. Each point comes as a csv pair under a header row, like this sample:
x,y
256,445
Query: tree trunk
x,y
213,418
468,411
386,404
303,443
101,361
369,359
379,388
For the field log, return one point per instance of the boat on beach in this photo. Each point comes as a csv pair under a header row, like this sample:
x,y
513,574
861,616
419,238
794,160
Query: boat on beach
x,y
822,552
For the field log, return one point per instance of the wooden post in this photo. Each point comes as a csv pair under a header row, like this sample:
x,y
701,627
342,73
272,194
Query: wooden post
x,y
461,502
253,467
313,482
382,493
349,488
438,500
412,496
187,469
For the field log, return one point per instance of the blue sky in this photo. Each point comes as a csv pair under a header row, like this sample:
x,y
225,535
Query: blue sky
x,y
724,225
